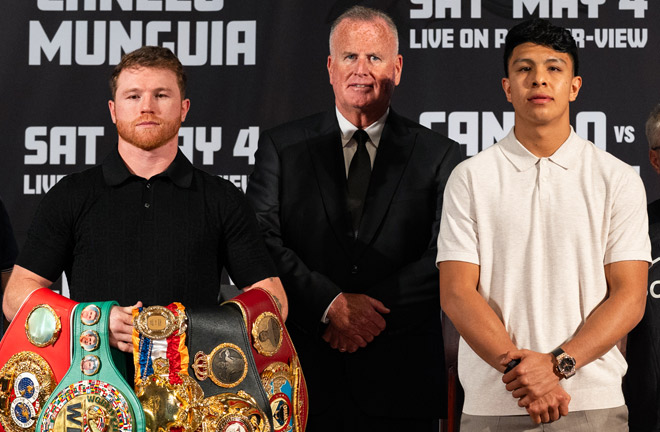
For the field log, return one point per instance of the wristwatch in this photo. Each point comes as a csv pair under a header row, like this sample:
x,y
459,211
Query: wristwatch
x,y
565,363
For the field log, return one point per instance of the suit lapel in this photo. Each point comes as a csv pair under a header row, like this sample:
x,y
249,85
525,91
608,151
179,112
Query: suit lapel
x,y
394,150
324,146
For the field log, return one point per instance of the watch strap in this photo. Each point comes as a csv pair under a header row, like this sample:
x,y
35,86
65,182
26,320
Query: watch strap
x,y
557,352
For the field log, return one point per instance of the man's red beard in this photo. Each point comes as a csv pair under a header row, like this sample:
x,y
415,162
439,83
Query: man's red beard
x,y
148,138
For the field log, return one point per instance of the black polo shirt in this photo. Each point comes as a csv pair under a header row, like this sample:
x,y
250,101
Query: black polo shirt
x,y
8,247
125,238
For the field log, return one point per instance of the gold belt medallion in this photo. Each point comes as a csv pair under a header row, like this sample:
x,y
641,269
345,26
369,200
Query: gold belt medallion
x,y
26,382
267,334
158,322
227,365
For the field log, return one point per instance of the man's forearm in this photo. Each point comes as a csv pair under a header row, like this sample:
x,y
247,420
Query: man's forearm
x,y
615,316
21,283
474,319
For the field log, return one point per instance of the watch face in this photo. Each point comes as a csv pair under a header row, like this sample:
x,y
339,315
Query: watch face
x,y
566,364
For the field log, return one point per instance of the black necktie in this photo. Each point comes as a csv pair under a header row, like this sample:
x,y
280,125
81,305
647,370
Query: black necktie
x,y
358,178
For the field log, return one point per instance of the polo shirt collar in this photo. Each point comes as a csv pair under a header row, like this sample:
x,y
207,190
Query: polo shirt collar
x,y
565,156
116,172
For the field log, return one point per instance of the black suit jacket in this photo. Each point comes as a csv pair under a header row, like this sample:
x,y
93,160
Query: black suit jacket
x,y
298,190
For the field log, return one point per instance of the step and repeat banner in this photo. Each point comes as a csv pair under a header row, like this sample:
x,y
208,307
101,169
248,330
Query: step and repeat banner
x,y
253,64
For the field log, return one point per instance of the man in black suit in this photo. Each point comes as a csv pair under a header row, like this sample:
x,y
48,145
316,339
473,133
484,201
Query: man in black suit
x,y
349,202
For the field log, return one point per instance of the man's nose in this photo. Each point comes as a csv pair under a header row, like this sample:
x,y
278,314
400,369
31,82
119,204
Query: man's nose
x,y
362,66
539,79
147,104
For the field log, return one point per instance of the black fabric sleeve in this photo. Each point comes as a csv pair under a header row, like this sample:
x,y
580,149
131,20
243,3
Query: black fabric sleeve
x,y
247,260
48,248
8,246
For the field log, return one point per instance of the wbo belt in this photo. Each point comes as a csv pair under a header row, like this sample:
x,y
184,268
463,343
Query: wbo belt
x,y
92,396
34,356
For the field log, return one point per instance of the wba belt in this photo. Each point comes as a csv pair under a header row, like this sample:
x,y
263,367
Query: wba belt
x,y
34,356
92,396
247,375
276,359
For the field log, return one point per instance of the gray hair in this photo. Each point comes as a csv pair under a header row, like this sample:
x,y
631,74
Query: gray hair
x,y
653,128
362,13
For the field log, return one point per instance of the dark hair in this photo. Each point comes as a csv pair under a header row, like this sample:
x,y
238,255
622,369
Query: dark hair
x,y
541,32
151,57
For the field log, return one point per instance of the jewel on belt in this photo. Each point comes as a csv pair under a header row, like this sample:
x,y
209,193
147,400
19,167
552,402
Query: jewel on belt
x,y
42,326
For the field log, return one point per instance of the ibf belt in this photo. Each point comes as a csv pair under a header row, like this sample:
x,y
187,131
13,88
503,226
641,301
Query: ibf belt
x,y
276,359
93,396
34,355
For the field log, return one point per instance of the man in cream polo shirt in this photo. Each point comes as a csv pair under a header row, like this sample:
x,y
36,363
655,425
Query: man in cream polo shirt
x,y
542,253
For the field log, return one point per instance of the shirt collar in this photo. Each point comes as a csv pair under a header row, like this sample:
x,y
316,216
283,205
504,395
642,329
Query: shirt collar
x,y
116,172
375,130
565,156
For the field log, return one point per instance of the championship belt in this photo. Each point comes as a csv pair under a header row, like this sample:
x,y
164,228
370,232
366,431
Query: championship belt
x,y
34,356
276,359
172,399
93,396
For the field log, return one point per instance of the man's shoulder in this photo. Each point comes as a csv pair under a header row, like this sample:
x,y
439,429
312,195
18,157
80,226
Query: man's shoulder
x,y
603,157
87,179
302,126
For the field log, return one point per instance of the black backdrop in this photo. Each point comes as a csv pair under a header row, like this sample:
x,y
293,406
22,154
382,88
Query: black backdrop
x,y
254,64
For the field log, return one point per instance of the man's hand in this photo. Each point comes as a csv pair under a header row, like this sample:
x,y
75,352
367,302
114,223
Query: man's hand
x,y
121,327
549,407
357,318
532,378
338,341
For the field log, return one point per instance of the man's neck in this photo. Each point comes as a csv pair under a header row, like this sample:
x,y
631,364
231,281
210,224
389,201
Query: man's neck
x,y
147,163
544,140
362,119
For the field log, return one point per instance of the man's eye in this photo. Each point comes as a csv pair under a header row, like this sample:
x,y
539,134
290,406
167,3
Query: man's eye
x,y
161,95
351,57
375,58
133,97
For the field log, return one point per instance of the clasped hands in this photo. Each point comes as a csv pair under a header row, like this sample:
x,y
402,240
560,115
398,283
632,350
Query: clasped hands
x,y
536,386
355,320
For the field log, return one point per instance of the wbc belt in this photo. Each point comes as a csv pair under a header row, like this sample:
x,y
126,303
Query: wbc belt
x,y
34,356
92,396
276,359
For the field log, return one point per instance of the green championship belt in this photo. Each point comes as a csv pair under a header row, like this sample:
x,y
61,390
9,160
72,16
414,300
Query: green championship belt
x,y
93,396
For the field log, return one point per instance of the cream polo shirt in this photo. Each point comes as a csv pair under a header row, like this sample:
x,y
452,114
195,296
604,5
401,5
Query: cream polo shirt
x,y
541,230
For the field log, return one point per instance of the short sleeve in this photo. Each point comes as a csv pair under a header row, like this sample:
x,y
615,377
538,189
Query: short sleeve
x,y
247,259
458,239
48,248
8,246
628,237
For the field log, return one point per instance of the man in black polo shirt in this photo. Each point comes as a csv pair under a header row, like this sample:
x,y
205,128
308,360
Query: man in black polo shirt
x,y
145,226
8,252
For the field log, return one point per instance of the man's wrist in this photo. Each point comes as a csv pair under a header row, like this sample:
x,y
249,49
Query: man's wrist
x,y
564,364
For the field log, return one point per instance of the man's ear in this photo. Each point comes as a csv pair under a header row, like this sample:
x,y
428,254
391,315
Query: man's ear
x,y
506,86
111,107
576,84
